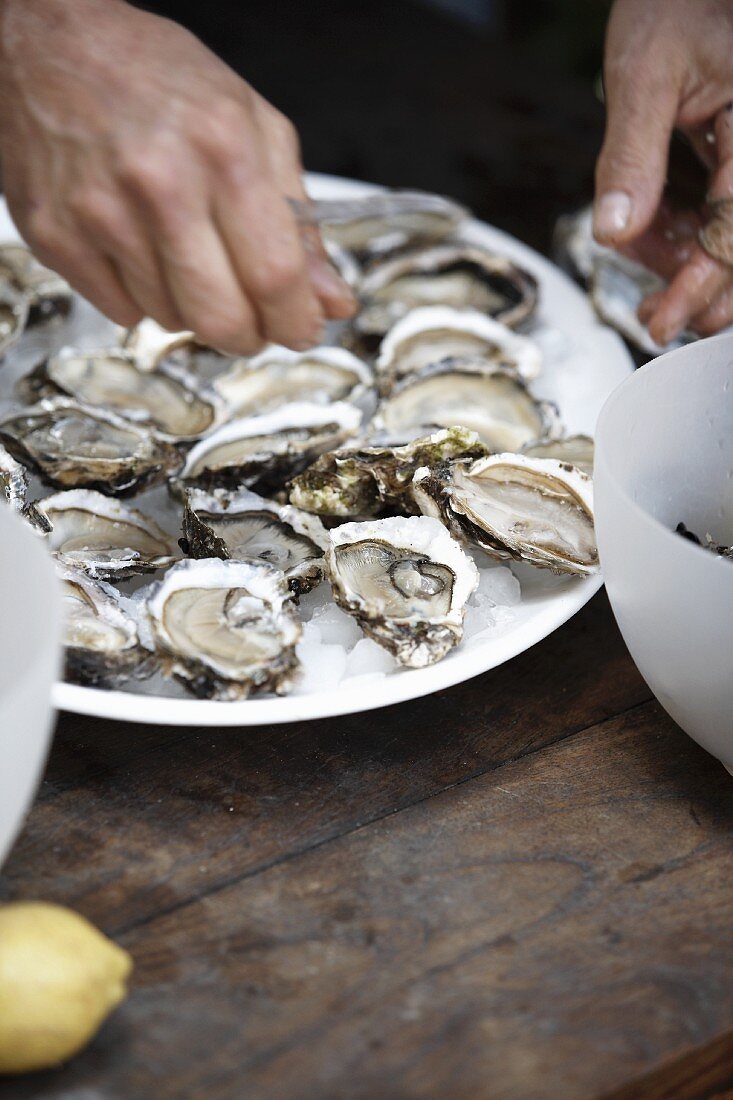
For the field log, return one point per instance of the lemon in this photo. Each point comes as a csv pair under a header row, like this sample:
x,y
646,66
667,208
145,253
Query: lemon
x,y
59,979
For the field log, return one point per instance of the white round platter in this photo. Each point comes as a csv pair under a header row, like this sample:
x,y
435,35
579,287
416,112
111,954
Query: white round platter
x,y
585,361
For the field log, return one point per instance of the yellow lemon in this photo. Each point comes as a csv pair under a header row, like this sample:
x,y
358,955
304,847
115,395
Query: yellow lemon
x,y
59,979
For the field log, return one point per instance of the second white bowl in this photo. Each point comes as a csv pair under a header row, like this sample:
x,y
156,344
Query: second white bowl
x,y
664,455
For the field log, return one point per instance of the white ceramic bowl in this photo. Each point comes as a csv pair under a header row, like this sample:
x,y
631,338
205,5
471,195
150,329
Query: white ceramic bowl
x,y
30,626
664,454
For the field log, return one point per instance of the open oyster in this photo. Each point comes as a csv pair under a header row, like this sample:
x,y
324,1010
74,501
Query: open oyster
x,y
263,452
407,583
433,333
14,308
152,346
364,482
532,509
13,481
47,294
279,377
225,629
73,445
102,536
170,403
489,400
102,645
457,275
577,450
384,220
244,526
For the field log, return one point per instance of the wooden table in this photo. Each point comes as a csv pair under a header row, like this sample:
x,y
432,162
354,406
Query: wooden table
x,y
517,888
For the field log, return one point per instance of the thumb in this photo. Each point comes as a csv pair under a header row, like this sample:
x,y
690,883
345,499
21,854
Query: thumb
x,y
632,166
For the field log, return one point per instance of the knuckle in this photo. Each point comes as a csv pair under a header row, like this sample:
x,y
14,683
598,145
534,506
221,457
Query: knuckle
x,y
285,131
277,275
150,174
41,231
224,123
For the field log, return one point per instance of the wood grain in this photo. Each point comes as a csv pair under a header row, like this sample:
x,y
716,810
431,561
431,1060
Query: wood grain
x,y
179,814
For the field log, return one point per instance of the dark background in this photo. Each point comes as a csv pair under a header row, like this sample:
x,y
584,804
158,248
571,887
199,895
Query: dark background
x,y
494,103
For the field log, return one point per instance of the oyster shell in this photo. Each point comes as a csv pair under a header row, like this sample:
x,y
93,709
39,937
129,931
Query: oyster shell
x,y
433,333
13,481
225,629
244,526
73,445
102,644
279,376
489,400
407,583
14,310
577,450
457,275
532,509
48,294
152,346
167,401
617,285
385,220
103,537
355,484
261,452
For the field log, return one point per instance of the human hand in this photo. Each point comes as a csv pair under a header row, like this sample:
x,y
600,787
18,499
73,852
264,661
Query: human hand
x,y
147,173
669,64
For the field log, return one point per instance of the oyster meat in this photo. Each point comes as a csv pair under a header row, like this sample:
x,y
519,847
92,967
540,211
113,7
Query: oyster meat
x,y
356,484
243,526
576,450
73,445
384,220
457,275
535,510
433,333
103,537
263,452
406,581
225,629
489,400
47,294
13,481
279,377
102,644
173,405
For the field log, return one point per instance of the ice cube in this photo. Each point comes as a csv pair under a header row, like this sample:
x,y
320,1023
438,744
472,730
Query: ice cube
x,y
369,659
322,666
336,626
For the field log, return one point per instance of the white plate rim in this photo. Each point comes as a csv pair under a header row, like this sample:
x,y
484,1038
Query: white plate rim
x,y
363,693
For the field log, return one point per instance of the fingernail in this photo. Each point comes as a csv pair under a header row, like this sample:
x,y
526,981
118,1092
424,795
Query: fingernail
x,y
611,214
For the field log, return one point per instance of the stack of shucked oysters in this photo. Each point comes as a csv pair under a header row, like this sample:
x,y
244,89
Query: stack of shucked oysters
x,y
378,463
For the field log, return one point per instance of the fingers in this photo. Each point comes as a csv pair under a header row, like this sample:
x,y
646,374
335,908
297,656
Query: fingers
x,y
668,243
261,237
206,290
690,294
80,261
719,315
721,184
112,223
283,152
641,104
